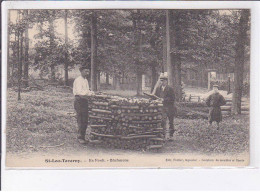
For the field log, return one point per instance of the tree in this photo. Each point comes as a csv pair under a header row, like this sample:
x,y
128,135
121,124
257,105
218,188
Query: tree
x,y
147,38
66,61
26,51
51,18
93,51
50,50
173,52
154,35
138,44
8,48
82,52
239,61
19,54
168,55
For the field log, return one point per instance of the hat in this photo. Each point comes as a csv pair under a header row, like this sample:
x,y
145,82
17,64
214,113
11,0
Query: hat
x,y
215,86
164,76
83,67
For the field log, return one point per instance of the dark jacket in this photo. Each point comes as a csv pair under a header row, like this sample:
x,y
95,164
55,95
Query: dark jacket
x,y
167,95
214,101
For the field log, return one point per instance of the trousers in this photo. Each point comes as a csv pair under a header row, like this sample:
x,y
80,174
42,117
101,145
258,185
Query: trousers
x,y
81,107
168,112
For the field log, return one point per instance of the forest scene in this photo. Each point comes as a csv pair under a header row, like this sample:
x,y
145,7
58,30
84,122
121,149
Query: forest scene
x,y
127,51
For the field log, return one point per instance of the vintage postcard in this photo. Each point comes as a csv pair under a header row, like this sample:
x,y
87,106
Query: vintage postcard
x,y
149,88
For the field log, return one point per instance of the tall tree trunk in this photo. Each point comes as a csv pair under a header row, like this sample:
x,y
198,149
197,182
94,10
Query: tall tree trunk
x,y
15,55
168,49
164,66
174,60
154,77
153,65
66,64
8,50
177,76
52,33
26,53
98,80
86,40
93,51
19,65
239,62
116,84
139,72
21,56
107,79
139,83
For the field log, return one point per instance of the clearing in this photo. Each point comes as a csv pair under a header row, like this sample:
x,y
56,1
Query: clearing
x,y
39,123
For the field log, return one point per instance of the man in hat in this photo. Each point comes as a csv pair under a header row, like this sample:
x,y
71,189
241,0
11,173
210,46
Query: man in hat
x,y
214,101
166,92
81,92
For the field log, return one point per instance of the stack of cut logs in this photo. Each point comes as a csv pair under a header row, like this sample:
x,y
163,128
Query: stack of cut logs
x,y
126,123
226,109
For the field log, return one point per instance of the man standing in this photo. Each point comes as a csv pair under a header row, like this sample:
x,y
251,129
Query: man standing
x,y
81,92
214,101
165,92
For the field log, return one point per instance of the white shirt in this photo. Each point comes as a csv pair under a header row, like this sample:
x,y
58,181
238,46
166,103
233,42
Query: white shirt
x,y
163,87
81,87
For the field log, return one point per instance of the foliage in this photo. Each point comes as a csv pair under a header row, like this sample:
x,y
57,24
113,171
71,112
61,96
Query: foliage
x,y
50,49
131,41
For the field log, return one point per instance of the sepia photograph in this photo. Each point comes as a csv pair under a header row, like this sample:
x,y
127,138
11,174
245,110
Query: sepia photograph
x,y
149,88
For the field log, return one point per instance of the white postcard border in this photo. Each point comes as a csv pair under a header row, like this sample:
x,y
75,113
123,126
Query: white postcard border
x,y
132,178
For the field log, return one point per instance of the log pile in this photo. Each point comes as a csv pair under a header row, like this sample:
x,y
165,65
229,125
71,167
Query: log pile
x,y
126,123
226,110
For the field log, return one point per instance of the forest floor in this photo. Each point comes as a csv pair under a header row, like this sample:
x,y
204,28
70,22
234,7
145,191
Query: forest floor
x,y
39,123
